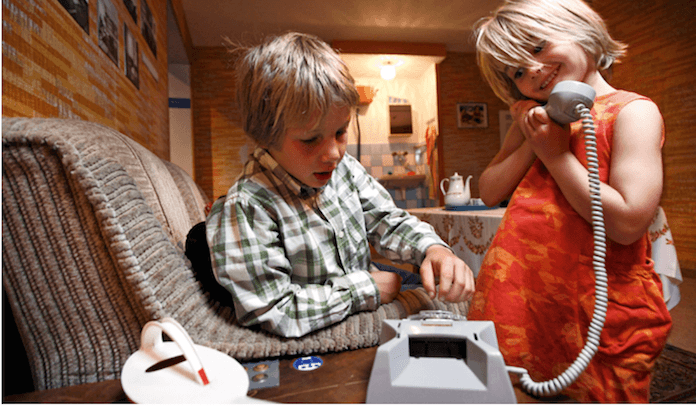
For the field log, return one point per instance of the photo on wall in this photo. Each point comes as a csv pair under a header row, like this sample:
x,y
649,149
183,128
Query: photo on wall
x,y
79,10
132,7
132,56
148,24
107,29
472,115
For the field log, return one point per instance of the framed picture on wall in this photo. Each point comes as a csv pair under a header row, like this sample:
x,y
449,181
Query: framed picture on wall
x,y
472,115
79,10
132,7
107,29
132,57
148,27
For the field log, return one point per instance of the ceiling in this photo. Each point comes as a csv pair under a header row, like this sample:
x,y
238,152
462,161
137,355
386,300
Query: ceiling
x,y
420,21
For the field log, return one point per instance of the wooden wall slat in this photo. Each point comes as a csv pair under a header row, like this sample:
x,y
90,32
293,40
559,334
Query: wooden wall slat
x,y
52,68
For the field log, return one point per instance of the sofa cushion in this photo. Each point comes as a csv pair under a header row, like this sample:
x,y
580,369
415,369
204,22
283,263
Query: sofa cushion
x,y
194,197
149,172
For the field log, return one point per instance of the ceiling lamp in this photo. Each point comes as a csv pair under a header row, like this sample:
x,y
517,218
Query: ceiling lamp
x,y
387,67
388,71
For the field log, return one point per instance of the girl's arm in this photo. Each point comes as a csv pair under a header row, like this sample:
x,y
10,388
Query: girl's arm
x,y
504,173
633,193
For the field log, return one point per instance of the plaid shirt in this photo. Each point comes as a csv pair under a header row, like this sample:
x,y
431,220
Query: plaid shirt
x,y
297,259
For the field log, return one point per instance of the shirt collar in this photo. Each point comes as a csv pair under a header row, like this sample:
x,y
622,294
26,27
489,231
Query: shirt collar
x,y
264,158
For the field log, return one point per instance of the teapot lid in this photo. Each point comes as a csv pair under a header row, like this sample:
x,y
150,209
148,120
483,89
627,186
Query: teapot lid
x,y
456,175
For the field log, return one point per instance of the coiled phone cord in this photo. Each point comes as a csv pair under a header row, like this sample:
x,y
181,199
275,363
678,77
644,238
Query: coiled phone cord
x,y
556,385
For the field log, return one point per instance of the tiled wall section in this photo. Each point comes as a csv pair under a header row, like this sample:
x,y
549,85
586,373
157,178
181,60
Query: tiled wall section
x,y
379,161
53,67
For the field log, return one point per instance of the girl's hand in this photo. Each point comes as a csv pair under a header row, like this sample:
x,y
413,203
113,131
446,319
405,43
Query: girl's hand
x,y
505,171
388,284
548,140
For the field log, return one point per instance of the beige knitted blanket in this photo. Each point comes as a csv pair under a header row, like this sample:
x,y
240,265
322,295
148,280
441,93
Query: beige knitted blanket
x,y
93,225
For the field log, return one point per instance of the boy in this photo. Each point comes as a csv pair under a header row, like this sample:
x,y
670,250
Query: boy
x,y
291,239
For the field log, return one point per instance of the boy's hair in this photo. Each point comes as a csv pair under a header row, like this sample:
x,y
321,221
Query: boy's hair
x,y
284,81
507,38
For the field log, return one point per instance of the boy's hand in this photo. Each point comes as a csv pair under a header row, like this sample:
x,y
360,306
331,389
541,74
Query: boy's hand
x,y
388,283
456,278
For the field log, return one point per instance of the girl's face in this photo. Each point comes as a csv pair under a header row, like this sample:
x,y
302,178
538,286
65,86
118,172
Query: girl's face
x,y
311,155
561,61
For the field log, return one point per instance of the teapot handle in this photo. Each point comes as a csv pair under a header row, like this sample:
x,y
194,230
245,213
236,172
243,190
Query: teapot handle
x,y
442,185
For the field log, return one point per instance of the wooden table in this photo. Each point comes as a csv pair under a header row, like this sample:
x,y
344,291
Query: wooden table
x,y
469,233
343,378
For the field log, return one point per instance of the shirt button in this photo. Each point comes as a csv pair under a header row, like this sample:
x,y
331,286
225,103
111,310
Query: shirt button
x,y
340,234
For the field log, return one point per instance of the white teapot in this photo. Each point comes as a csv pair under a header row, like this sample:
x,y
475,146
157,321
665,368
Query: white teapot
x,y
459,193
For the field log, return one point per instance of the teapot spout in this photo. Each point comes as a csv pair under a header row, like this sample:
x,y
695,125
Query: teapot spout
x,y
467,185
467,189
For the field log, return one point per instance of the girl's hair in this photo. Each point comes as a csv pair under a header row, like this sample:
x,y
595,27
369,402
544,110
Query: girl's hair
x,y
284,81
507,38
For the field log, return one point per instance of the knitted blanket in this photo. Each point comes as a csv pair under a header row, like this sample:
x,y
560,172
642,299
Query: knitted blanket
x,y
93,225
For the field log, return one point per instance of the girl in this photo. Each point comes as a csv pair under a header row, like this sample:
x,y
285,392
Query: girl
x,y
537,280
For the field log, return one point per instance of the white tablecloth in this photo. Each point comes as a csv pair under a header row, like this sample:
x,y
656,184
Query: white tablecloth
x,y
470,233
665,256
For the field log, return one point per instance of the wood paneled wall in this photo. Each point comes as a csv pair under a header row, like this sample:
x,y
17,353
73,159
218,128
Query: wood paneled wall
x,y
52,67
660,64
466,151
218,137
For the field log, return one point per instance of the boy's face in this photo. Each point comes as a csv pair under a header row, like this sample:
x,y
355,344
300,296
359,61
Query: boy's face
x,y
312,155
561,61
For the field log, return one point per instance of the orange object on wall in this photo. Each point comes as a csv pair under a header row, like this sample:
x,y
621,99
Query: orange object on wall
x,y
367,94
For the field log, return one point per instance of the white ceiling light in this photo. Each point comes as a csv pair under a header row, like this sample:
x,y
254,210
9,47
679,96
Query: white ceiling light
x,y
387,66
388,71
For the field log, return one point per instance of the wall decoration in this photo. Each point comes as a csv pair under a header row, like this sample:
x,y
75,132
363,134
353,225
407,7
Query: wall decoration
x,y
150,67
79,10
132,7
132,57
472,115
107,29
400,119
148,24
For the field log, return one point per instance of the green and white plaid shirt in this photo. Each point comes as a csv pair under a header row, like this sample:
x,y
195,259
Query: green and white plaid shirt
x,y
297,259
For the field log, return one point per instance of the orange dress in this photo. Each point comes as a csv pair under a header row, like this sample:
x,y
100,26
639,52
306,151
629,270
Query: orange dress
x,y
537,284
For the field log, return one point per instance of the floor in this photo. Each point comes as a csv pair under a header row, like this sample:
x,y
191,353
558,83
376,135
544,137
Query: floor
x,y
684,316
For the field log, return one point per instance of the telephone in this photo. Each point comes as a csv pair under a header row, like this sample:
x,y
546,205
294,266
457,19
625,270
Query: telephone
x,y
451,341
570,101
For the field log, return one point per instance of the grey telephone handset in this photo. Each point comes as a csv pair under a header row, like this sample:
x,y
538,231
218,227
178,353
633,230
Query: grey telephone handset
x,y
438,357
570,101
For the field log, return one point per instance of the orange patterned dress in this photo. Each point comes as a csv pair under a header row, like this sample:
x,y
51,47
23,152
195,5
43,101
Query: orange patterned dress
x,y
537,284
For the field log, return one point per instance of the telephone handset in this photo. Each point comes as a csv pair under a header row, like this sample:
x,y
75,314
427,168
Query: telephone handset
x,y
571,101
564,99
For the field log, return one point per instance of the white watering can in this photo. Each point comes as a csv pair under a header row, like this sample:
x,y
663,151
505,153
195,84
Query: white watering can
x,y
458,193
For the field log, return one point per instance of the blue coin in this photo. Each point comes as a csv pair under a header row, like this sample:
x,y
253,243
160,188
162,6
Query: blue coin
x,y
307,363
